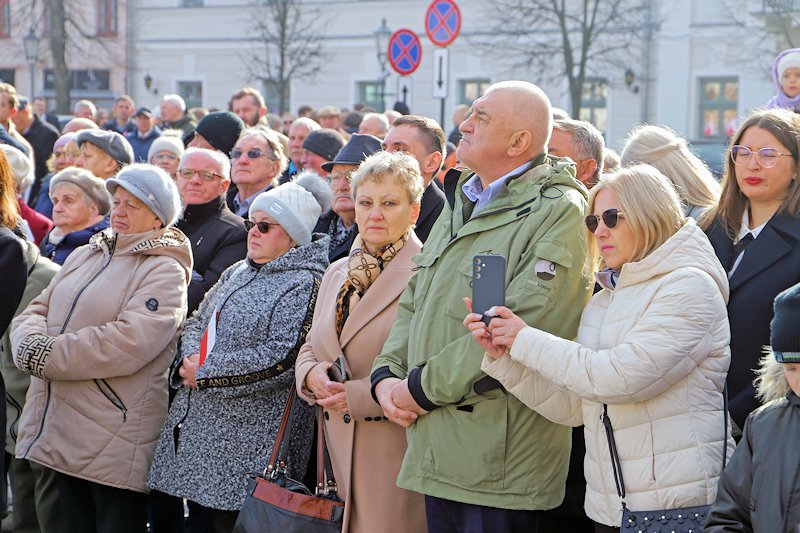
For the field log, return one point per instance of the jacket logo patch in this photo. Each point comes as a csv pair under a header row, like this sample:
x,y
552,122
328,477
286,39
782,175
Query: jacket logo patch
x,y
545,270
152,304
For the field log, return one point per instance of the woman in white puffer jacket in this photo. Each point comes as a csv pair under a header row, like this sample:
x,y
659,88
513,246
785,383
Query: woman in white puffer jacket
x,y
652,345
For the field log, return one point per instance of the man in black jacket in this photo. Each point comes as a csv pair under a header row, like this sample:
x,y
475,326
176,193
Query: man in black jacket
x,y
218,237
41,137
422,138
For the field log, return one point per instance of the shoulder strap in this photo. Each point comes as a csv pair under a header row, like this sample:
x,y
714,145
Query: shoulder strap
x,y
612,445
280,450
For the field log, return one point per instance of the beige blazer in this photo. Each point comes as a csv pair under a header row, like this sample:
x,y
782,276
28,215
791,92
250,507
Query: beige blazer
x,y
366,449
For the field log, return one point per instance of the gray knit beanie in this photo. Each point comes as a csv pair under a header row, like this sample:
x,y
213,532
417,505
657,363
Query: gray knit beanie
x,y
296,205
88,183
153,186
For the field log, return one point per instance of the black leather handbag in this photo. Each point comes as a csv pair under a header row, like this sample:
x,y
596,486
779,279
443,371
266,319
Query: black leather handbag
x,y
683,520
277,503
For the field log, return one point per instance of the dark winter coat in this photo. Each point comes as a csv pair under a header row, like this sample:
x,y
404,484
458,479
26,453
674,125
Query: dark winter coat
x,y
142,145
218,433
42,136
14,273
770,264
429,210
759,490
218,240
58,252
324,226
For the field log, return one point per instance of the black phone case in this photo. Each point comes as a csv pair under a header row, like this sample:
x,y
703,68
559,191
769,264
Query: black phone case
x,y
488,283
336,371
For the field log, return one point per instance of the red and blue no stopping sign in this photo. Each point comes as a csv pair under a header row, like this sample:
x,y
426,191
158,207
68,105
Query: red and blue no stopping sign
x,y
405,52
442,22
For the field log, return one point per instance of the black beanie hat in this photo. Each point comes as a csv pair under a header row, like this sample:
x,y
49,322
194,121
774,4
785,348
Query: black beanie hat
x,y
221,129
324,142
785,335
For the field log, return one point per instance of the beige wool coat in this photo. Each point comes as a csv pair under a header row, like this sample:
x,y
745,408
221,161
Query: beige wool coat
x,y
366,449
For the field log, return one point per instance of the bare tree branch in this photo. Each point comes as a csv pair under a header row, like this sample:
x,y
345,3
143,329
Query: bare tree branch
x,y
289,44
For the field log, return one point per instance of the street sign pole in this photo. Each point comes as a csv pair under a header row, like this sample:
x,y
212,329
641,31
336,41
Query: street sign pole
x,y
441,83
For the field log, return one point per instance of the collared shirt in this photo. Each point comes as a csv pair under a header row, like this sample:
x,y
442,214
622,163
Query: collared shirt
x,y
476,193
744,229
243,206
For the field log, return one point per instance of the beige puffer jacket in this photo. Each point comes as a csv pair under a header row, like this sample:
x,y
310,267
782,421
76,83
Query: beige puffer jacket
x,y
656,351
98,342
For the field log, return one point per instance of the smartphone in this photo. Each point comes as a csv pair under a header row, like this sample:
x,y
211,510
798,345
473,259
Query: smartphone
x,y
337,372
488,283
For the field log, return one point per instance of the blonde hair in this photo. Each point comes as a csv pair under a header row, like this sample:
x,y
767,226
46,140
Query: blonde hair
x,y
784,125
399,166
668,152
8,194
650,205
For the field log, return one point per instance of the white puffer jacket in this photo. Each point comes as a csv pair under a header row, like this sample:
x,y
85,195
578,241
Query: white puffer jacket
x,y
655,349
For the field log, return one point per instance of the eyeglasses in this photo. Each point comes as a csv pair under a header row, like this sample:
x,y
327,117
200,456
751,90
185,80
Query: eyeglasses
x,y
205,175
610,218
766,157
263,227
251,154
336,177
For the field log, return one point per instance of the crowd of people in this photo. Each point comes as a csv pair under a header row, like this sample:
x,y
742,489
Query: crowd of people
x,y
176,278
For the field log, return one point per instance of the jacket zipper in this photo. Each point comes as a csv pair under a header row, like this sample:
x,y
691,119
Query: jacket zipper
x,y
113,398
111,247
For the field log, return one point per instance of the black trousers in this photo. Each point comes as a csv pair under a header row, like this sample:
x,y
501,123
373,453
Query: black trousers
x,y
602,528
88,507
445,516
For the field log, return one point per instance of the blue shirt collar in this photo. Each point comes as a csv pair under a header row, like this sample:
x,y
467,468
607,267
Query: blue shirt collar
x,y
474,190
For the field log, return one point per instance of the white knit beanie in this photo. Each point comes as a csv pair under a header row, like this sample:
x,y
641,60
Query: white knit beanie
x,y
21,167
296,205
168,143
790,60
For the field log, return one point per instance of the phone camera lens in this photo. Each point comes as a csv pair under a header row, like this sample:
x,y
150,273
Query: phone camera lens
x,y
477,276
477,261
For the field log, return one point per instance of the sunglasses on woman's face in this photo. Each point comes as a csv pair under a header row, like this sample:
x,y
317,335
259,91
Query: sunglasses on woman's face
x,y
263,227
610,218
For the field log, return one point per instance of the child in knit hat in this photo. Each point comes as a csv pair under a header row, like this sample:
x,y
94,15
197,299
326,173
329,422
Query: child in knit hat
x,y
786,77
759,488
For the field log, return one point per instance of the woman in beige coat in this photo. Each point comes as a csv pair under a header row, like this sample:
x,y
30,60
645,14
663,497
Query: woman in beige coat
x,y
356,309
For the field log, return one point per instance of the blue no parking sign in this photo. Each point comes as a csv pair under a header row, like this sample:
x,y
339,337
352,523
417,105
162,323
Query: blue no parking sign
x,y
405,52
442,22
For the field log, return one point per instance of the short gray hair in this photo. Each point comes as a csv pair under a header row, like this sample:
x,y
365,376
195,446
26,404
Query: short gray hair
x,y
218,157
399,166
274,144
85,103
380,117
175,99
588,140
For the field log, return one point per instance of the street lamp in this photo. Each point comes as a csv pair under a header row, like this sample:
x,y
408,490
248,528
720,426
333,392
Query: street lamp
x,y
382,36
31,44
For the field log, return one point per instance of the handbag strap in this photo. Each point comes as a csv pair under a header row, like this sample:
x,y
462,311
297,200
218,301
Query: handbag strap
x,y
280,450
326,483
612,444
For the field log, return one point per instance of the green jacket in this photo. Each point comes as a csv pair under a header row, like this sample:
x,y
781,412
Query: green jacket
x,y
479,444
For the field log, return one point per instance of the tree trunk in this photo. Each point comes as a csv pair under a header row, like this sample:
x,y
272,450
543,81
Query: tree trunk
x,y
58,42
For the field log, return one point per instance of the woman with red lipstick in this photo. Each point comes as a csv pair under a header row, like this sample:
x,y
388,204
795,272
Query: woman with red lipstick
x,y
650,354
755,231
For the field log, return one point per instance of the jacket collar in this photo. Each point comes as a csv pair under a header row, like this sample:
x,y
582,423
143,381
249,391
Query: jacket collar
x,y
774,242
389,285
195,212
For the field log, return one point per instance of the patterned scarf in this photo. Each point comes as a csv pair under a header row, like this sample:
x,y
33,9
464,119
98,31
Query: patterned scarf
x,y
607,278
362,271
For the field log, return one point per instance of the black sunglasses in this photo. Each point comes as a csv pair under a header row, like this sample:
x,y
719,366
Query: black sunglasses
x,y
610,218
251,154
263,227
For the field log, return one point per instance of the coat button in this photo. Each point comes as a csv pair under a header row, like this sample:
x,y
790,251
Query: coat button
x,y
378,418
368,418
326,415
346,418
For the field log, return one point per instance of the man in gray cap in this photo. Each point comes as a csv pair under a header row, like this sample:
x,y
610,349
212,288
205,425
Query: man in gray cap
x,y
320,147
103,153
340,222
